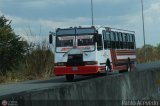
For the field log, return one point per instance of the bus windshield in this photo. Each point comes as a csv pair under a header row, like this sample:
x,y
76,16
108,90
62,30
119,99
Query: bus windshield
x,y
64,41
68,41
84,40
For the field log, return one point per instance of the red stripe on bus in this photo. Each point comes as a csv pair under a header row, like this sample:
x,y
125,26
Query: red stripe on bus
x,y
77,70
115,53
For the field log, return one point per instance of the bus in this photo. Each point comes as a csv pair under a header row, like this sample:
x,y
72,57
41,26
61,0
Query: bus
x,y
91,50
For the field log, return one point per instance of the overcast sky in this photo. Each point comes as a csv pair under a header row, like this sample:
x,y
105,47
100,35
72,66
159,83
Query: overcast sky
x,y
42,16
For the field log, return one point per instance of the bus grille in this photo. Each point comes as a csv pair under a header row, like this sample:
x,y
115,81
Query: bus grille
x,y
75,60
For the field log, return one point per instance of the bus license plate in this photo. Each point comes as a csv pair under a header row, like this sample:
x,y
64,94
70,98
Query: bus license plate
x,y
74,68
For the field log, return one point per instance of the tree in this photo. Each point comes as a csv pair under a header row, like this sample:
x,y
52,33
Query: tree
x,y
12,48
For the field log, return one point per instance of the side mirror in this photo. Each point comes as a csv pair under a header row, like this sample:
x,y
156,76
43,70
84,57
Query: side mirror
x,y
50,38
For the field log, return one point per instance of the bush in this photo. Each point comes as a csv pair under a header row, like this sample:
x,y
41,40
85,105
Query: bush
x,y
39,63
152,54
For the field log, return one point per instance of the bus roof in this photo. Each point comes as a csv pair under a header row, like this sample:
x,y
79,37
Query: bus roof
x,y
115,30
88,30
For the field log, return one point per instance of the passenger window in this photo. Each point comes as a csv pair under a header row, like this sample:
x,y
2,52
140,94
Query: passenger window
x,y
124,37
115,36
133,37
128,41
120,37
108,37
104,34
112,36
133,43
108,40
128,37
117,40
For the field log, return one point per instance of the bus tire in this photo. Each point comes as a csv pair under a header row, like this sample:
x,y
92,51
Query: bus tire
x,y
129,65
70,77
108,64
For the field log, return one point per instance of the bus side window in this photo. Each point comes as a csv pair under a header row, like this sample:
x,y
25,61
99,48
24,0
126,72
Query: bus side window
x,y
104,39
108,36
121,40
117,40
133,41
125,40
130,41
112,37
107,40
115,34
112,34
99,42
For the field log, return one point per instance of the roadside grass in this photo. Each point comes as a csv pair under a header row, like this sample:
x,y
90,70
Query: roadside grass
x,y
152,54
38,64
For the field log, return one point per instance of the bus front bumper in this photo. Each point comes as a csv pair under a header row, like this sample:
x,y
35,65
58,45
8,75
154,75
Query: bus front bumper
x,y
79,70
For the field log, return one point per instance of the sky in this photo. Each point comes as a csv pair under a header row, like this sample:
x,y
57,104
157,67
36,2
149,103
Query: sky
x,y
34,19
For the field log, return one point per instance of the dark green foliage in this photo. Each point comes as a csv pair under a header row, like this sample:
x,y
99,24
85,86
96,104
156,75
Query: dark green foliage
x,y
12,48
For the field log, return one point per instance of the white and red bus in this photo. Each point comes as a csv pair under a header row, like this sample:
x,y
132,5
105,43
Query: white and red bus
x,y
90,50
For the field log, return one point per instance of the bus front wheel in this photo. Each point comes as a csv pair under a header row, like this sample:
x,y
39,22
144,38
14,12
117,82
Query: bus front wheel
x,y
69,77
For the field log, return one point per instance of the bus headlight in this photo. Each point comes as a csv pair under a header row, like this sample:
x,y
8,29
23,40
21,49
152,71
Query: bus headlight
x,y
91,63
60,64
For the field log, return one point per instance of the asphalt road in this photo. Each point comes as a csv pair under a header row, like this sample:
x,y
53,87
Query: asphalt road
x,y
6,89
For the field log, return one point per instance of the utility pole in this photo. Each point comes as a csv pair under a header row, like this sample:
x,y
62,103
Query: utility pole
x,y
92,11
143,30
